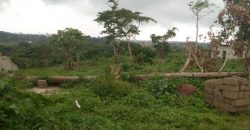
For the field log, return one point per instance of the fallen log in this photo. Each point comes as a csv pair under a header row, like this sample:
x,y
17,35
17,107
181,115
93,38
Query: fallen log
x,y
61,79
194,74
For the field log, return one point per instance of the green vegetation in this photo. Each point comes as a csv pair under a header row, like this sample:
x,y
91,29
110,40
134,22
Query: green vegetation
x,y
107,103
110,102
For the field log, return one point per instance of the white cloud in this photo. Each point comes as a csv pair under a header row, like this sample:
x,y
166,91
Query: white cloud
x,y
48,16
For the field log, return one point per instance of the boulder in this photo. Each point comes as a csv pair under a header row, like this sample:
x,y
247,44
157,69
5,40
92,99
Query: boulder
x,y
6,64
186,89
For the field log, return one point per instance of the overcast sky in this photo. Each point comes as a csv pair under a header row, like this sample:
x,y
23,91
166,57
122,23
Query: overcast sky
x,y
48,16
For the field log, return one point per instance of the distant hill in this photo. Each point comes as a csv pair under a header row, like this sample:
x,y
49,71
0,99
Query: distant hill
x,y
16,38
177,44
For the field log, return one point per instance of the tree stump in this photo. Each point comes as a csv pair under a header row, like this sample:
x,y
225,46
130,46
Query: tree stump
x,y
116,70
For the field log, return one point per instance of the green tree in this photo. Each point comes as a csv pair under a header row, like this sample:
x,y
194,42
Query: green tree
x,y
67,39
235,20
121,24
161,42
108,20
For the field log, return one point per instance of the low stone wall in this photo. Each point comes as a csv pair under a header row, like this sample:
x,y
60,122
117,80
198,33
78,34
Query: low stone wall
x,y
228,94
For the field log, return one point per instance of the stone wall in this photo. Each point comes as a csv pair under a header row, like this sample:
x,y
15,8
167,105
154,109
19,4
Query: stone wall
x,y
6,64
228,94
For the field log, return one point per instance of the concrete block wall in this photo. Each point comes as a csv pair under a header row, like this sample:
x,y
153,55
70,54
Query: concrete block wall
x,y
228,94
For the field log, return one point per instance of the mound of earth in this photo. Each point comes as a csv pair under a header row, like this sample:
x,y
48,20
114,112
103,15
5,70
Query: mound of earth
x,y
186,89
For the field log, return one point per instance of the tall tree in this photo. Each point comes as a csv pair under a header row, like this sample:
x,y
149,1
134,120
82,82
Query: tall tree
x,y
235,20
109,21
121,23
79,46
200,8
67,39
161,42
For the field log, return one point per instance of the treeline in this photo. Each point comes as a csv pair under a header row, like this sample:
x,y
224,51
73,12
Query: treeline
x,y
28,51
40,53
16,38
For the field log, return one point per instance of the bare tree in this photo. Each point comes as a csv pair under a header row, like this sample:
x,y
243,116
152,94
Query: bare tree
x,y
200,9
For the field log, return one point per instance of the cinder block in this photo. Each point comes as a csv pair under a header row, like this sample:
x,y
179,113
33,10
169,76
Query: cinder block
x,y
231,95
241,95
224,107
219,98
238,103
209,90
210,96
218,92
211,83
243,108
245,86
233,88
242,102
231,81
209,101
244,95
227,87
229,101
214,97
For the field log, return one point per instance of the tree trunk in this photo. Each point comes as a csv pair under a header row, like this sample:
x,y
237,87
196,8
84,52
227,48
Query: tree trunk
x,y
130,51
116,54
67,66
248,60
162,54
78,59
188,62
197,62
197,33
224,64
70,61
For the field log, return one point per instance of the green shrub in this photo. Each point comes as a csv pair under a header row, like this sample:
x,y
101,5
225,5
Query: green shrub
x,y
3,84
20,110
110,87
144,55
158,86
